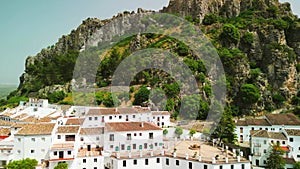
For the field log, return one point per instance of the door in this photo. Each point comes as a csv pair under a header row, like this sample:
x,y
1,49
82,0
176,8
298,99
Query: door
x,y
257,162
88,147
61,154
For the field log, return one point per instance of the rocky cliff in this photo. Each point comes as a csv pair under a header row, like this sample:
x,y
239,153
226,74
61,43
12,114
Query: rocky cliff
x,y
258,42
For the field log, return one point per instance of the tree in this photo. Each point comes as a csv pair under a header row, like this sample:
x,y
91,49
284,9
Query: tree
x,y
225,128
230,34
275,159
24,164
61,166
192,132
296,165
249,93
178,131
165,131
141,96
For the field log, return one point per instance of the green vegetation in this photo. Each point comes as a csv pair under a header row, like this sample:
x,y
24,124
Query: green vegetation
x,y
230,34
210,19
141,96
61,166
24,164
178,131
296,165
192,132
249,94
275,159
165,131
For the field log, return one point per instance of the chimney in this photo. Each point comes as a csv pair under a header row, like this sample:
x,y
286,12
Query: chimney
x,y
142,124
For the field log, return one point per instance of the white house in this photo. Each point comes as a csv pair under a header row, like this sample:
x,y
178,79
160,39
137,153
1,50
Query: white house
x,y
33,141
132,136
270,122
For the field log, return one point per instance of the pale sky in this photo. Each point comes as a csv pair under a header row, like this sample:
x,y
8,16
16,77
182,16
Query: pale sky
x,y
31,25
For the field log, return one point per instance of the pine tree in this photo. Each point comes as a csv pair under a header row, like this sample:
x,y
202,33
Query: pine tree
x,y
275,159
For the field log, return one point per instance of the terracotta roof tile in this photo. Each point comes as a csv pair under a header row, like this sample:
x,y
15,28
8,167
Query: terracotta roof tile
x,y
67,129
253,122
6,123
160,113
102,111
62,146
75,121
31,119
36,129
4,131
92,131
293,132
142,109
289,160
283,119
277,135
266,134
130,126
127,110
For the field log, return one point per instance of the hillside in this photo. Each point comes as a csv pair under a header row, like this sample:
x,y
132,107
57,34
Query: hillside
x,y
257,41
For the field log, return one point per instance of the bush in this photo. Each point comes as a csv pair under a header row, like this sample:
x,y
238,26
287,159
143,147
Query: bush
x,y
230,34
298,67
247,38
210,19
278,98
249,94
55,97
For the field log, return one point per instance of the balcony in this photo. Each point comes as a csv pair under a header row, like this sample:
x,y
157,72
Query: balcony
x,y
85,153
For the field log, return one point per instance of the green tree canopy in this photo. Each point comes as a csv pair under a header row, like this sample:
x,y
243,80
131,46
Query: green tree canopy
x,y
297,165
141,96
249,93
178,131
24,164
61,166
275,159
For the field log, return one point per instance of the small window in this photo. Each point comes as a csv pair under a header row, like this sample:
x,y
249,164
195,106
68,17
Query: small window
x,y
97,138
150,135
58,136
157,160
95,160
133,116
96,118
81,139
141,134
243,166
205,166
111,146
232,166
134,146
19,139
69,152
31,151
110,117
146,161
134,134
252,128
90,118
167,161
95,167
163,117
265,141
128,136
19,151
221,167
190,165
291,139
124,163
265,151
134,162
43,139
111,137
84,160
33,139
120,117
55,153
283,142
265,162
177,162
123,146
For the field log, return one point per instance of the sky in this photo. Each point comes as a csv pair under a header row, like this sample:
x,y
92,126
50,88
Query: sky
x,y
29,26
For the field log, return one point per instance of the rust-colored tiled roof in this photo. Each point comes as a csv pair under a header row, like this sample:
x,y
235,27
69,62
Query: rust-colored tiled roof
x,y
20,116
127,110
92,131
266,134
4,131
6,123
31,119
36,129
293,132
130,126
142,109
102,111
75,121
283,119
45,119
289,160
160,113
67,129
62,146
253,122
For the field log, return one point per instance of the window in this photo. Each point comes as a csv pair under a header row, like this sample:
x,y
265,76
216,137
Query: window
x,y
133,116
124,163
265,162
97,138
243,166
33,139
123,147
58,136
157,160
252,128
155,144
84,160
283,142
291,139
134,134
167,161
145,146
95,167
221,167
298,156
265,141
177,162
153,117
267,129
241,129
43,139
90,118
272,141
265,151
163,117
134,162
96,118
120,117
163,123
140,134
70,137
134,146
128,136
146,161
19,151
110,117
31,151
190,165
95,160
19,139
205,166
81,139
150,135
111,137
111,146
232,166
69,152
260,128
55,153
